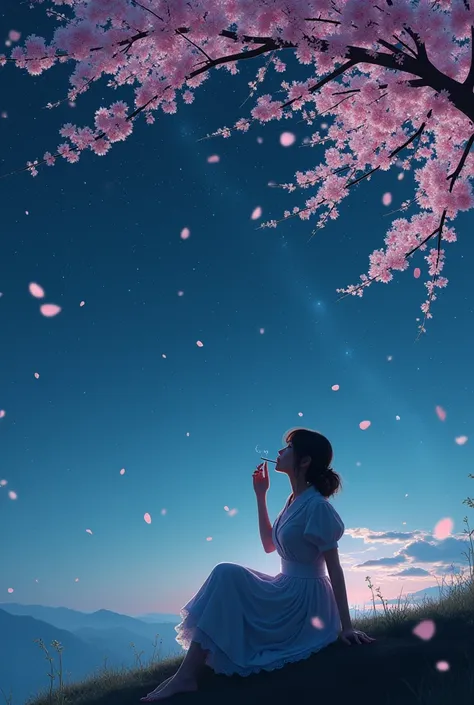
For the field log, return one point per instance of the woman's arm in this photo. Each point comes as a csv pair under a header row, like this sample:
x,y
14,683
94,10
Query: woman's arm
x,y
265,525
336,576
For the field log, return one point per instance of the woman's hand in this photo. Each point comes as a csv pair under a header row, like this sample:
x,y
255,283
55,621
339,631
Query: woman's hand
x,y
354,636
261,481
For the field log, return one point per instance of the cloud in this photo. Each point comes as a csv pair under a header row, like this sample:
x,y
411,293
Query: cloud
x,y
448,550
411,572
393,560
382,536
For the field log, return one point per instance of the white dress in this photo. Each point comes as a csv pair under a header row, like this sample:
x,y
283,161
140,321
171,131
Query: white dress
x,y
249,621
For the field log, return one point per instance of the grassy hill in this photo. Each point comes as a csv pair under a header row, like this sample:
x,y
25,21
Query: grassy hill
x,y
398,669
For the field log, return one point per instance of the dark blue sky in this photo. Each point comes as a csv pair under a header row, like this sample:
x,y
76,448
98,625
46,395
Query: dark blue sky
x,y
123,384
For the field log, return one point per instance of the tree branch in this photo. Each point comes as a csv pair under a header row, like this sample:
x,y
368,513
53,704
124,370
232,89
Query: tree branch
x,y
462,161
469,82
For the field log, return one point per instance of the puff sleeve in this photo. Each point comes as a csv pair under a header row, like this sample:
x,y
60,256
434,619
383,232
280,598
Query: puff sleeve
x,y
324,527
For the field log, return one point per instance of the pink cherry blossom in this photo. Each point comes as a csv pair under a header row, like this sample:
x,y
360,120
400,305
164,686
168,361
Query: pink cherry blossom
x,y
461,440
394,82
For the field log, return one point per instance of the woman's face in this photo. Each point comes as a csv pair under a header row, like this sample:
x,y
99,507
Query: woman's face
x,y
285,459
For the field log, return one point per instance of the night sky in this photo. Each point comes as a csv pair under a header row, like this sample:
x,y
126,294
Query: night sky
x,y
119,380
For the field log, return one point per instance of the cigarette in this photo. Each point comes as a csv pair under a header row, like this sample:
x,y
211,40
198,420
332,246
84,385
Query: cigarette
x,y
268,459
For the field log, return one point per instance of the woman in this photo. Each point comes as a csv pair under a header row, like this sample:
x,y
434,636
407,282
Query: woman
x,y
243,621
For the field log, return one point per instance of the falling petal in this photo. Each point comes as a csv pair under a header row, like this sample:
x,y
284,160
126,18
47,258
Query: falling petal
x,y
260,140
300,413
425,629
88,531
37,375
262,331
36,290
461,440
199,344
387,198
82,303
389,358
2,413
122,471
400,176
287,139
12,495
180,293
147,518
317,623
335,387
49,310
163,355
441,413
213,159
397,418
76,580
233,512
185,233
14,35
163,512
364,425
10,590
256,213
442,666
416,272
209,538
443,529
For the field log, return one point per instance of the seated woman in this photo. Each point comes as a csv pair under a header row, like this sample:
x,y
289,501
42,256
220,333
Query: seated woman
x,y
244,621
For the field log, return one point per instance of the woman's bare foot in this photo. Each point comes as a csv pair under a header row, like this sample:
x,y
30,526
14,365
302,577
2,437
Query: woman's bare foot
x,y
176,684
158,688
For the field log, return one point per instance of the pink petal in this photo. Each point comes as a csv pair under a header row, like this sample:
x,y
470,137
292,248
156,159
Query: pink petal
x,y
425,629
36,290
317,623
147,518
82,303
287,139
10,590
209,538
400,176
88,531
122,471
199,344
416,272
262,331
300,413
443,529
37,375
441,413
213,159
256,213
461,440
387,198
364,425
442,666
163,512
49,310
335,387
185,233
2,413
13,495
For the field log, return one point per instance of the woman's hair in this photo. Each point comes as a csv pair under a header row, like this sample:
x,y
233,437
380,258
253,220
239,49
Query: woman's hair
x,y
319,473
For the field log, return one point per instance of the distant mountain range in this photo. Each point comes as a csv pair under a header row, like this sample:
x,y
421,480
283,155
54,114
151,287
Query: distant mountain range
x,y
90,641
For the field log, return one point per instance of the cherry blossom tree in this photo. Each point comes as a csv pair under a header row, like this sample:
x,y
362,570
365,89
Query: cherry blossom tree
x,y
393,78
